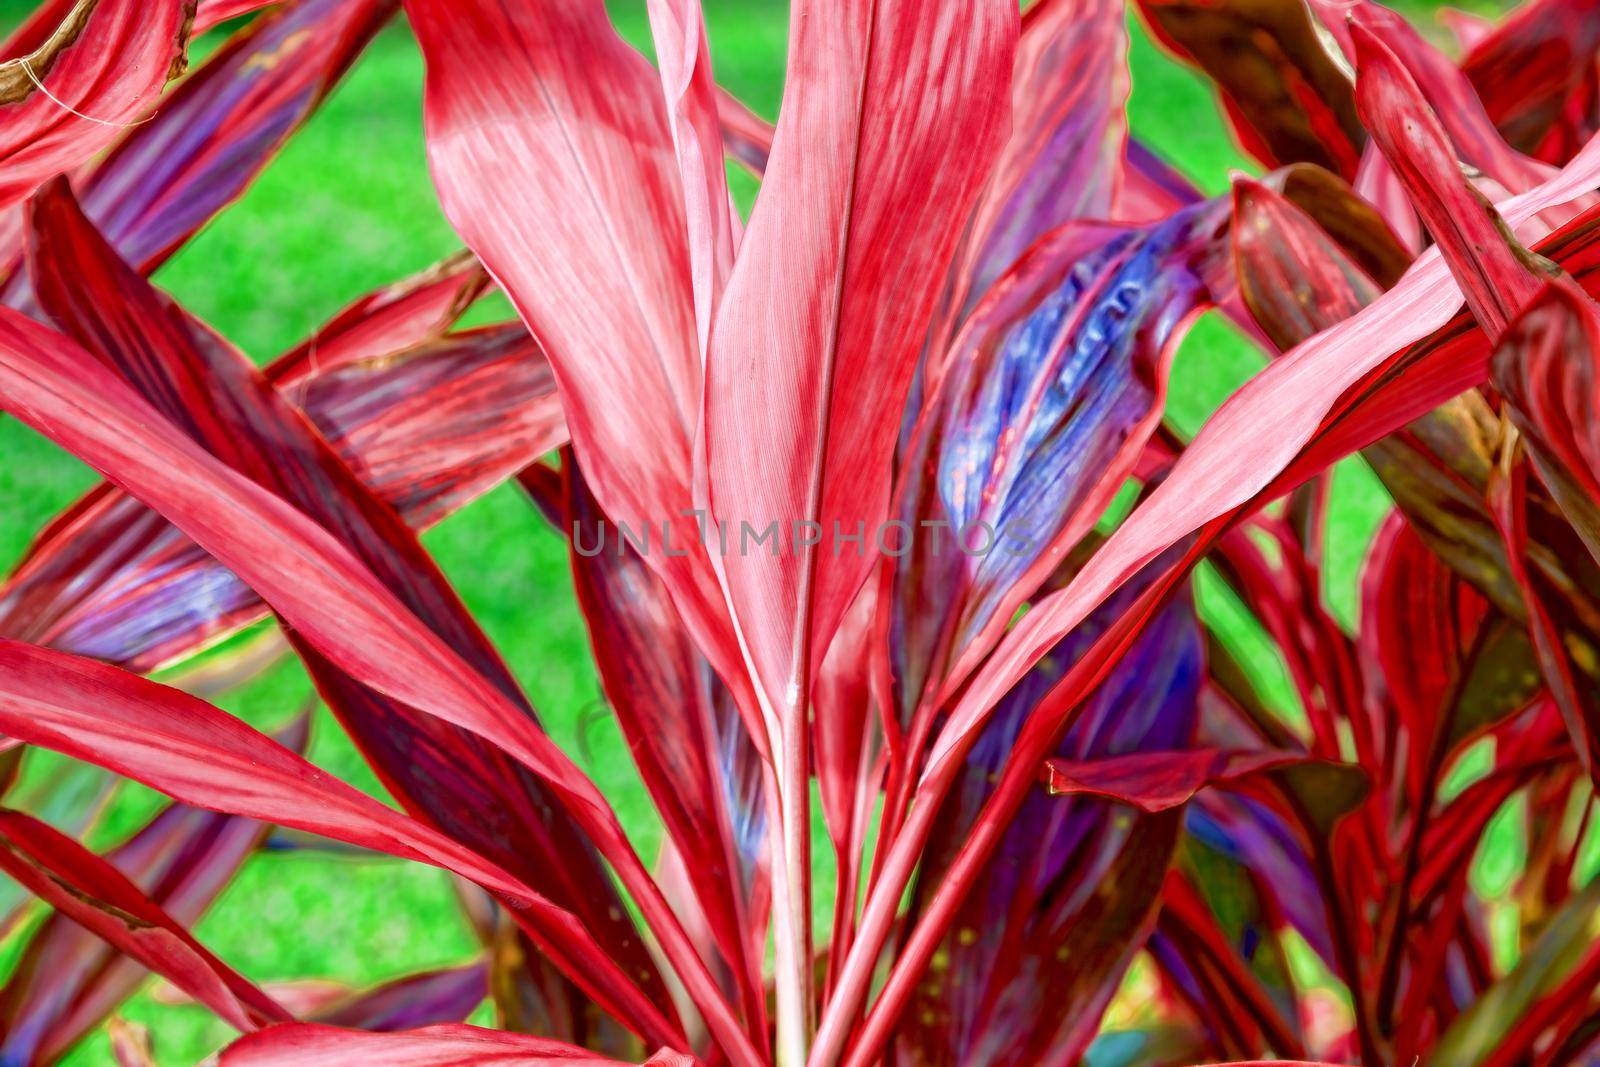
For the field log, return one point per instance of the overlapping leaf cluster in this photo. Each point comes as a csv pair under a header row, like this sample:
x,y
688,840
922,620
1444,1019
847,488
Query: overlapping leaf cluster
x,y
874,503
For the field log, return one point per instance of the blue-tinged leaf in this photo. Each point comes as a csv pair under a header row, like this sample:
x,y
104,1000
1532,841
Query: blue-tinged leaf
x,y
1039,945
1242,830
1152,188
1062,162
1054,387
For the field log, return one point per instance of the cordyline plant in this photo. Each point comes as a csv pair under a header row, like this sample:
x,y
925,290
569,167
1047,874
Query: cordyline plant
x,y
841,482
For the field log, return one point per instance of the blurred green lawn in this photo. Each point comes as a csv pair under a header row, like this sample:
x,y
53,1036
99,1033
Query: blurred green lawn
x,y
349,207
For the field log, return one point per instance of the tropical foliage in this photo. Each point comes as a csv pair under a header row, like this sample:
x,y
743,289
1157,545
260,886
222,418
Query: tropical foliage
x,y
878,523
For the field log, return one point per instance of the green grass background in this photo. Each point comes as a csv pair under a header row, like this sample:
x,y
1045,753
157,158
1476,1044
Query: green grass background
x,y
349,207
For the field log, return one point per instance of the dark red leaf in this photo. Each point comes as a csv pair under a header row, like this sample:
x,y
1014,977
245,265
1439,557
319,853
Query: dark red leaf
x,y
428,999
1287,97
1536,73
1546,370
1495,272
1157,781
1446,89
1545,366
681,727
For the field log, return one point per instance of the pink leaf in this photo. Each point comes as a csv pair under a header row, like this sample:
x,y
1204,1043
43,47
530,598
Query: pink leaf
x,y
209,13
692,104
891,122
555,161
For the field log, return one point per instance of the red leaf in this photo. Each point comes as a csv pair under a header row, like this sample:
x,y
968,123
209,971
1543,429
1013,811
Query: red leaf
x,y
1157,781
1545,363
408,313
309,1045
427,999
96,895
68,980
205,757
1064,158
1444,86
428,430
680,725
1029,961
1293,277
226,406
75,76
214,133
862,199
1532,67
1286,97
313,582
210,12
1043,412
1437,468
1546,370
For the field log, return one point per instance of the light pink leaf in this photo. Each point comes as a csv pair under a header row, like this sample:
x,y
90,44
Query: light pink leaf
x,y
892,117
554,160
684,62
